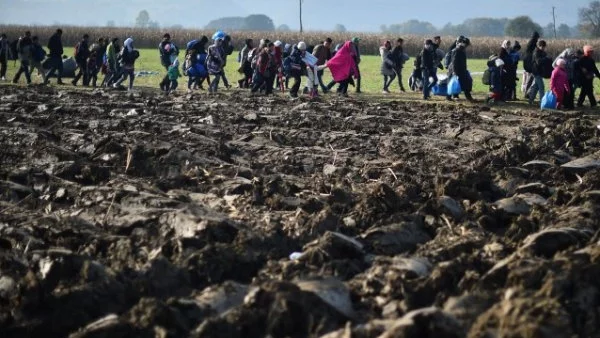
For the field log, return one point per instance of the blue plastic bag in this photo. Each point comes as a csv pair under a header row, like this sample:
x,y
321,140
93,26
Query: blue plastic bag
x,y
548,101
440,89
454,86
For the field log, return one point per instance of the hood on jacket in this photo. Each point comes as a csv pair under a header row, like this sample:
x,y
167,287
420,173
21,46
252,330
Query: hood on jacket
x,y
128,43
506,44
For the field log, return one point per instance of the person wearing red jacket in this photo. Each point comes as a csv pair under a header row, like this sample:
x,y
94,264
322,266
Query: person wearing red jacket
x,y
559,82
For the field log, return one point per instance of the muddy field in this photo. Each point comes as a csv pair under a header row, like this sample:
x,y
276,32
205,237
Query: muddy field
x,y
137,215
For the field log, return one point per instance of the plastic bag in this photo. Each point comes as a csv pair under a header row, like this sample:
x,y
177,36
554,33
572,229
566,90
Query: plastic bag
x,y
454,86
548,101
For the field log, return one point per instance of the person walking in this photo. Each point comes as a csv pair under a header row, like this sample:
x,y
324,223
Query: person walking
x,y
127,63
399,58
4,55
559,82
82,53
266,68
588,70
458,67
112,65
38,54
504,55
539,59
245,65
511,71
426,63
24,52
174,74
215,62
323,53
343,67
296,67
167,52
55,52
528,77
387,66
570,58
95,61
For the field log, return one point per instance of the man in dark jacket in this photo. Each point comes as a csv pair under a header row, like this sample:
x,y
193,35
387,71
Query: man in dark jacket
x,y
24,51
539,59
55,52
587,71
528,63
4,50
399,60
297,67
82,53
323,53
426,63
458,67
167,50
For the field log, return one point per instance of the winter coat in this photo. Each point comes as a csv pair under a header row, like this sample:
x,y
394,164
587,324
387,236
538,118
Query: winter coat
x,y
458,64
296,64
166,55
83,52
215,59
24,48
55,46
587,68
266,65
387,64
559,82
398,57
38,54
342,65
111,56
426,60
244,55
495,77
128,55
539,58
322,54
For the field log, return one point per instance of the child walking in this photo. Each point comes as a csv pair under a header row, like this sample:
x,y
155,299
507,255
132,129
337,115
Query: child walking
x,y
173,74
559,82
496,89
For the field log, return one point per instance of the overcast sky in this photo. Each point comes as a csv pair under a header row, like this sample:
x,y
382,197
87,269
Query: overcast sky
x,y
356,15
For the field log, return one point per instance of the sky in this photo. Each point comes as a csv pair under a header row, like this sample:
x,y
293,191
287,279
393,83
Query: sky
x,y
355,15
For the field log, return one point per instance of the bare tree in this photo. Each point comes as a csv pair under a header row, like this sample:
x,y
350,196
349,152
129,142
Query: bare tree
x,y
589,19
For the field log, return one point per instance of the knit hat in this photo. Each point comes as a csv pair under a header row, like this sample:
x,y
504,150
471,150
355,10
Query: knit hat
x,y
499,62
278,43
516,45
355,40
302,46
587,50
561,63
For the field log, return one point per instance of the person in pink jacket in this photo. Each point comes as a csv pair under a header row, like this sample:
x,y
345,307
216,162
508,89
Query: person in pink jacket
x,y
559,82
343,67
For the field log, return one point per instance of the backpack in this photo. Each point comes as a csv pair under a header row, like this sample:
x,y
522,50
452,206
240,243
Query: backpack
x,y
486,79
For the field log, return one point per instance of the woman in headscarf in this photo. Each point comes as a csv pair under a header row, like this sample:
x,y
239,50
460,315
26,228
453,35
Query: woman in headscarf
x,y
387,66
128,57
343,67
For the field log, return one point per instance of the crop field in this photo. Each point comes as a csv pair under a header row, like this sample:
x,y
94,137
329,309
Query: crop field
x,y
139,214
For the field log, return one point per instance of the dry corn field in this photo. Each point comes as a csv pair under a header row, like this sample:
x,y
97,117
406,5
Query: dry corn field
x,y
481,47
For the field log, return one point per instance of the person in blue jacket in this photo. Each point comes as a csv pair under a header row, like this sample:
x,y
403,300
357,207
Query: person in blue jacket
x,y
496,85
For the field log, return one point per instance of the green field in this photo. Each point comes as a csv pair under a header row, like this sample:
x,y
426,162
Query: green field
x,y
370,69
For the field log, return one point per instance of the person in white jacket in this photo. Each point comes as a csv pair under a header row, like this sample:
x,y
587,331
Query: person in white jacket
x,y
387,66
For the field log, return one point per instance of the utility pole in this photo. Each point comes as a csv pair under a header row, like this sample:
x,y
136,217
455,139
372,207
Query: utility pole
x,y
301,1
554,21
